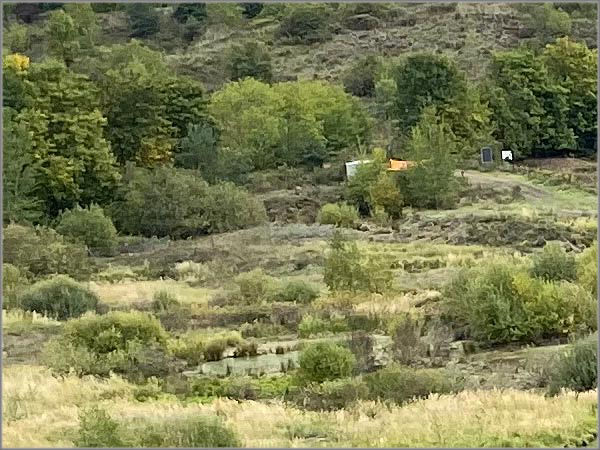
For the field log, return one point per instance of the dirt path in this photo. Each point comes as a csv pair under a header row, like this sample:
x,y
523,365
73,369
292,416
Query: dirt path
x,y
486,179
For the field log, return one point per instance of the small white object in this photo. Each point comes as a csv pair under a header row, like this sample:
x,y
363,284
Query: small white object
x,y
352,166
507,154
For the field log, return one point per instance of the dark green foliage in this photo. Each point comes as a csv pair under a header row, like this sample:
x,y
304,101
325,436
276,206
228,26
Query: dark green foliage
x,y
332,395
360,78
186,11
305,24
252,10
554,264
424,80
184,104
42,251
325,361
298,291
577,368
178,203
90,227
97,430
13,282
358,188
199,151
250,59
399,384
500,303
60,298
143,19
587,269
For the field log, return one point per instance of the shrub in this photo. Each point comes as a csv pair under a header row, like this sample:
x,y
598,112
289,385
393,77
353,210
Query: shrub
x,y
554,264
190,348
42,251
60,298
385,194
333,395
311,325
358,188
199,431
90,227
255,286
325,361
164,301
298,291
340,215
193,272
261,329
500,304
400,384
305,24
251,59
97,429
577,368
12,284
587,269
360,78
346,268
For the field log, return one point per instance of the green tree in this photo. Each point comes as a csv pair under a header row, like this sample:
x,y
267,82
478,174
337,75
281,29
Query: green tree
x,y
305,23
360,78
86,24
199,150
574,67
251,59
62,36
143,19
66,129
531,111
430,183
422,80
16,37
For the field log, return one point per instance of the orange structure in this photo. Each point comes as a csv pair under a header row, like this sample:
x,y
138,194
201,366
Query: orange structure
x,y
397,164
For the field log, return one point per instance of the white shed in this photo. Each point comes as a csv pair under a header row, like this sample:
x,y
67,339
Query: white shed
x,y
352,165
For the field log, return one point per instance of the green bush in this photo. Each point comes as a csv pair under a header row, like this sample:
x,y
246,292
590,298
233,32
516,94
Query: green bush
x,y
325,361
255,286
90,227
251,59
42,251
587,269
338,214
359,79
261,329
60,298
305,24
333,395
347,268
554,264
298,291
500,303
164,301
577,368
97,429
358,188
399,384
153,205
13,283
311,326
386,194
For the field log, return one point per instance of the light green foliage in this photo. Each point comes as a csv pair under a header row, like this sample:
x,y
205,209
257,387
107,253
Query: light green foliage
x,y
325,361
62,36
358,187
531,109
333,395
13,282
431,182
500,303
66,129
250,59
311,326
91,227
163,301
59,298
554,264
338,214
347,268
16,38
587,269
97,429
300,121
399,384
42,251
297,291
256,286
386,194
546,21
577,368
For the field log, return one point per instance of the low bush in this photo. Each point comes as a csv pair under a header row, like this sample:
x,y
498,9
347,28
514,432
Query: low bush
x,y
554,264
577,368
193,272
13,283
297,291
305,24
59,298
359,79
332,395
325,361
164,301
97,429
250,59
338,214
347,268
399,384
90,227
42,251
261,329
311,326
500,303
587,269
255,286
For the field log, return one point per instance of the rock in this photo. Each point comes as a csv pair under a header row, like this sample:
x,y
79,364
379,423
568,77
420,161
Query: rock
x,y
363,227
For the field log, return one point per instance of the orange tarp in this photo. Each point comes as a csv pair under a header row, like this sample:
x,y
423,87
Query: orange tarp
x,y
396,164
